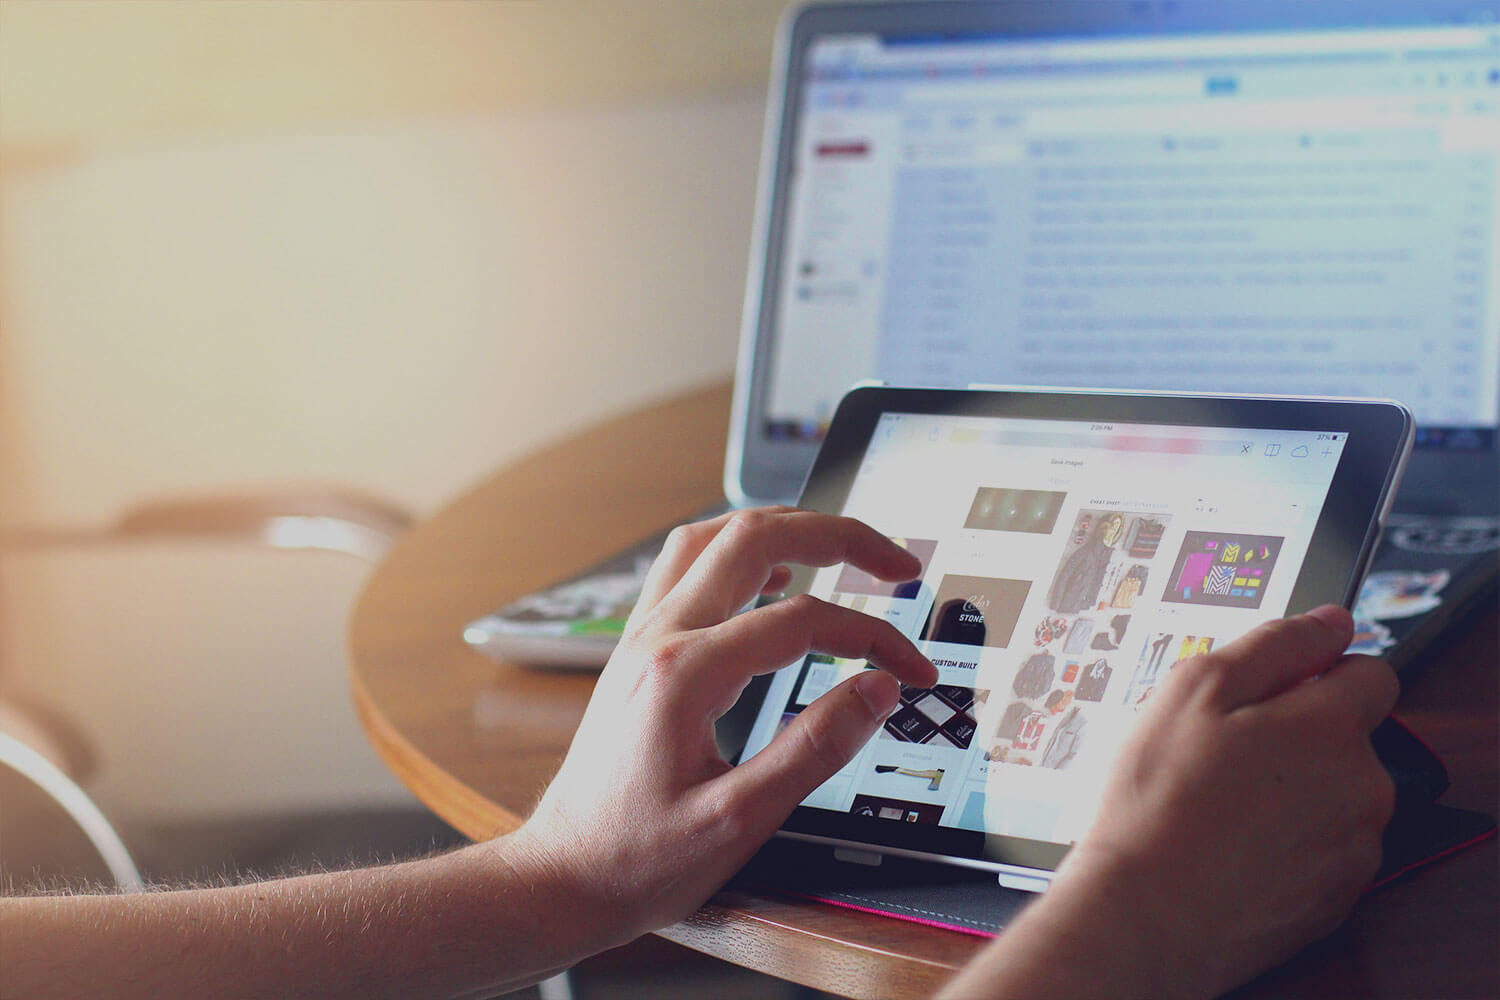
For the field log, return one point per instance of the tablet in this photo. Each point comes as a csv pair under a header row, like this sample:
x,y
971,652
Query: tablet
x,y
1075,546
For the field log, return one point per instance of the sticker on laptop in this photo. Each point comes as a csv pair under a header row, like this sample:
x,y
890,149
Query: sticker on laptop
x,y
1400,594
1370,638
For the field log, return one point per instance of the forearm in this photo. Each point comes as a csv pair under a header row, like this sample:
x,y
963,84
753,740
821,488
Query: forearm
x,y
475,922
1083,939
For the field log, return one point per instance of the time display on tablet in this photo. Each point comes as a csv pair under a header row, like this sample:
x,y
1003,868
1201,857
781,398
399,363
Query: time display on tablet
x,y
1067,567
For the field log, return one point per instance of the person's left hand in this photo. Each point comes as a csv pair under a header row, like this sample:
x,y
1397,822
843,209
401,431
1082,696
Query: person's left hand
x,y
645,819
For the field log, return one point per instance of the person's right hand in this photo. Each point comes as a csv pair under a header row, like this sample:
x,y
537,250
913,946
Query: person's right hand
x,y
645,819
1241,821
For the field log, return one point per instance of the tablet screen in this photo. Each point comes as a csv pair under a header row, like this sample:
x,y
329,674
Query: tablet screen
x,y
1067,566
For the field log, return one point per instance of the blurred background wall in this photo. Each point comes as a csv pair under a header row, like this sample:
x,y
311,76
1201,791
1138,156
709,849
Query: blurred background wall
x,y
391,245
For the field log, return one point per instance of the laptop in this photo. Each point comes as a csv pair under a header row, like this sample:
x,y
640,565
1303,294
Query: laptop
x,y
1278,196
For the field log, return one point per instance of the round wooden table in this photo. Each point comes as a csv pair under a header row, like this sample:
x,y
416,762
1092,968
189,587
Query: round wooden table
x,y
478,741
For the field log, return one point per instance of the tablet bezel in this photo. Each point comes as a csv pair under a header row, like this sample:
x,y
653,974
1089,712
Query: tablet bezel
x,y
1347,530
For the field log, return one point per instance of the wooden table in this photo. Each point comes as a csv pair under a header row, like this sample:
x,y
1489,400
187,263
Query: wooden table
x,y
478,742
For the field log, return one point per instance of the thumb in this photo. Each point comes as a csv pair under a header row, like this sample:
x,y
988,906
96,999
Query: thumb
x,y
823,738
1278,655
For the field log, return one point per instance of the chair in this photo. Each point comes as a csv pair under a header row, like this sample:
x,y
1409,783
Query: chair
x,y
50,830
331,518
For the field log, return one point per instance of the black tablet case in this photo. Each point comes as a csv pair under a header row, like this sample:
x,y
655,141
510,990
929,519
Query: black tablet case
x,y
973,902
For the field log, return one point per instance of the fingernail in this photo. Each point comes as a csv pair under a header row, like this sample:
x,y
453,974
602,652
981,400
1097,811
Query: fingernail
x,y
879,691
1332,616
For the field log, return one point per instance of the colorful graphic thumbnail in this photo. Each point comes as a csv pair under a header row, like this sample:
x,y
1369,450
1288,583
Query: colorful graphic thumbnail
x,y
1222,569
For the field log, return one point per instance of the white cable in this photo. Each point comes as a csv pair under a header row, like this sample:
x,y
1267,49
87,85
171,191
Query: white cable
x,y
76,804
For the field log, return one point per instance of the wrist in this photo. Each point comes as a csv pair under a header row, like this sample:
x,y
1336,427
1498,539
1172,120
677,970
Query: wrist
x,y
1139,933
563,889
1085,937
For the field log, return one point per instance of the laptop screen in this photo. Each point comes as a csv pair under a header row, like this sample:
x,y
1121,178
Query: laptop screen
x,y
1107,198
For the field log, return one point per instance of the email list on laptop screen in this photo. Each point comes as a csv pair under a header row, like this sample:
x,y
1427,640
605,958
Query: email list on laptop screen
x,y
1289,211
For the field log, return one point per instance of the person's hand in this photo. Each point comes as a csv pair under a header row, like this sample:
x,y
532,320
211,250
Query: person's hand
x,y
645,819
1241,821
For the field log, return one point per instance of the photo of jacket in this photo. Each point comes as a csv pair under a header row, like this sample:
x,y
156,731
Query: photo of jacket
x,y
1063,746
1094,680
1035,676
1082,573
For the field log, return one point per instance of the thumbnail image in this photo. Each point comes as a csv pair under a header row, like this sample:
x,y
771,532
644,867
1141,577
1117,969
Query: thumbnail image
x,y
1103,565
976,611
1194,645
1079,635
1124,591
1109,639
1020,730
876,807
1031,511
1065,740
932,776
1161,652
942,715
1095,535
1093,680
1035,676
1157,655
1222,569
1049,630
1143,536
856,581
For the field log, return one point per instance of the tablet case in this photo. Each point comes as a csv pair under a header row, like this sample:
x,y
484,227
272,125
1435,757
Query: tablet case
x,y
972,902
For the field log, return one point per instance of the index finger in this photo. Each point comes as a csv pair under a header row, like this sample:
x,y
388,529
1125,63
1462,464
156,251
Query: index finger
x,y
1276,656
737,562
683,545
